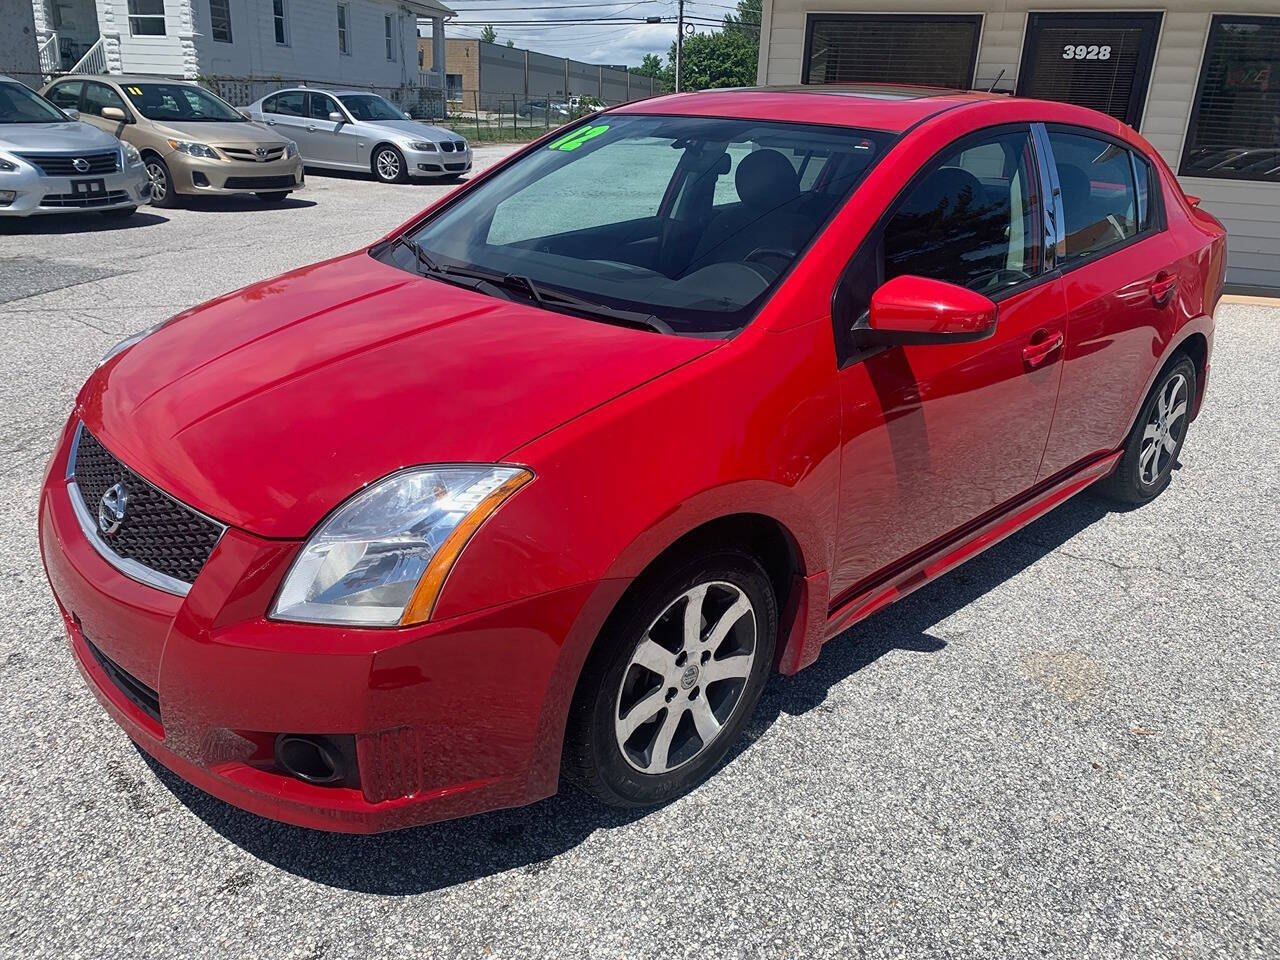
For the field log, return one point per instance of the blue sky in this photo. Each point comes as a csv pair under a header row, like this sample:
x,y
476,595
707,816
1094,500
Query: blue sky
x,y
594,43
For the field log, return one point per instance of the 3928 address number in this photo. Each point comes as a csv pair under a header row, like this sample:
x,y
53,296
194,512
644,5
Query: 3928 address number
x,y
1080,51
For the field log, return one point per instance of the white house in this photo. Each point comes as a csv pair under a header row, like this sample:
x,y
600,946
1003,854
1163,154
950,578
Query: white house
x,y
1199,78
364,43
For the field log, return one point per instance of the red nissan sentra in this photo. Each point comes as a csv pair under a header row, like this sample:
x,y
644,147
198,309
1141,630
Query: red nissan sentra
x,y
549,480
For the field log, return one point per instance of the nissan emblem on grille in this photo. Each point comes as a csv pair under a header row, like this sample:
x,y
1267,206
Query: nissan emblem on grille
x,y
81,164
111,509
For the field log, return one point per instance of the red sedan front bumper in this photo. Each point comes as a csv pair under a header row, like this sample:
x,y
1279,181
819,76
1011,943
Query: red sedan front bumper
x,y
449,718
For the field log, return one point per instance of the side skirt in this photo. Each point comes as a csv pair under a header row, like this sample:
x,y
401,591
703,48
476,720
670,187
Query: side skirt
x,y
969,541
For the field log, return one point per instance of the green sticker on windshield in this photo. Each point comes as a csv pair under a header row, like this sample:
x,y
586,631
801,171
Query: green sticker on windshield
x,y
576,139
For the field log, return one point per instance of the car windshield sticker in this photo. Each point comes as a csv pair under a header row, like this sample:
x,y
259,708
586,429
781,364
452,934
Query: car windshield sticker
x,y
136,91
576,139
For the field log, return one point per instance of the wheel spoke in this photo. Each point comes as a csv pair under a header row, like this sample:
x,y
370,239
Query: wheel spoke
x,y
693,614
655,657
661,749
641,712
1151,433
730,668
1170,442
704,720
726,622
1177,412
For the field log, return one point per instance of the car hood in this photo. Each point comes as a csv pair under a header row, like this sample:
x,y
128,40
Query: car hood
x,y
61,136
269,406
414,129
217,132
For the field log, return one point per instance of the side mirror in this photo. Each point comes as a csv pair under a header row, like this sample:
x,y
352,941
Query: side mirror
x,y
336,117
71,112
917,310
114,113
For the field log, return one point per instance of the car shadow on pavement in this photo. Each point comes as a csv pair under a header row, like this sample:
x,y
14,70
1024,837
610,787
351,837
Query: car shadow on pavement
x,y
441,855
242,203
77,223
368,177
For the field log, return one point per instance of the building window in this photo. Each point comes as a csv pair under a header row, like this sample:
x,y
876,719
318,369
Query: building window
x,y
281,20
146,18
344,16
388,27
220,20
937,50
1234,132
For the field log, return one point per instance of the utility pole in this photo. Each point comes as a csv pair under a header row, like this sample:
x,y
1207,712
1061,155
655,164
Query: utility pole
x,y
679,41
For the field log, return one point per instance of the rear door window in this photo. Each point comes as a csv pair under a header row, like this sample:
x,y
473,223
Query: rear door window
x,y
1099,198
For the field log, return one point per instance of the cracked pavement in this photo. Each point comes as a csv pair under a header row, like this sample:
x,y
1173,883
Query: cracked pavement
x,y
1066,747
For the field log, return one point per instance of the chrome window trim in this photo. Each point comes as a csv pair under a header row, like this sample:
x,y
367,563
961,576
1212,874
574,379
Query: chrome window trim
x,y
89,526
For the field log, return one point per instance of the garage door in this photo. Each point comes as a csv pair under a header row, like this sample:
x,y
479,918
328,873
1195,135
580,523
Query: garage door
x,y
1097,60
936,51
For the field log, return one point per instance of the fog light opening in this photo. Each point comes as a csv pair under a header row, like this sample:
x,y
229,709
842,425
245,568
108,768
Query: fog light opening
x,y
199,179
310,759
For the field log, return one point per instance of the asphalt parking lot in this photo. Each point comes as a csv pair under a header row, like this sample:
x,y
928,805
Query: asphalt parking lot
x,y
1067,747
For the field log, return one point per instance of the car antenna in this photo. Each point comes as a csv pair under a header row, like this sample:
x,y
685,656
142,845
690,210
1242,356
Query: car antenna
x,y
992,88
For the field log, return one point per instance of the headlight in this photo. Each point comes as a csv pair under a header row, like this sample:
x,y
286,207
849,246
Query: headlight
x,y
128,342
425,146
131,154
381,559
291,150
193,149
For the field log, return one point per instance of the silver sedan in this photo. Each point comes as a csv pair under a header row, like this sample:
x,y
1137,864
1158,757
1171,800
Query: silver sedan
x,y
356,130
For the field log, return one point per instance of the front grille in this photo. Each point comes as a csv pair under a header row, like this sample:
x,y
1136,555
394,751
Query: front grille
x,y
157,531
260,183
63,164
79,200
447,146
134,690
249,153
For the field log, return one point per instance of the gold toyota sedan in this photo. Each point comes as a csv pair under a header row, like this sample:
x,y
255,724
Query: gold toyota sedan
x,y
192,141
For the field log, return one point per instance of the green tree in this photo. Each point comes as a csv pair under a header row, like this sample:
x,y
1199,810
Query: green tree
x,y
650,66
511,43
488,34
724,59
746,20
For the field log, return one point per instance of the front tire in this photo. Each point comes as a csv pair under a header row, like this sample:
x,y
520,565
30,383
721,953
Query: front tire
x,y
1153,445
672,682
389,165
162,193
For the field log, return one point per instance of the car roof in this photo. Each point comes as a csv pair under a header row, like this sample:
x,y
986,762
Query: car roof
x,y
890,107
328,90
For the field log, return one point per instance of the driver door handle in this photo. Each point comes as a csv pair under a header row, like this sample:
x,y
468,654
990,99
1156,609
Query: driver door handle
x,y
1038,352
311,128
270,123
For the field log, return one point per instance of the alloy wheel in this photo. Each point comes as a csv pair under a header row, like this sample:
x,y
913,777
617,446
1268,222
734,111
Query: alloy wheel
x,y
1164,430
388,165
685,677
159,182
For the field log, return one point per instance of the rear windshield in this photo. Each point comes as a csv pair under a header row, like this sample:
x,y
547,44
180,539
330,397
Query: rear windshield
x,y
20,105
180,102
688,219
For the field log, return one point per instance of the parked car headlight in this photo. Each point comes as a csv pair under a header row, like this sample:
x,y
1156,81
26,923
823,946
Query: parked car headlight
x,y
131,154
425,146
382,557
129,341
291,150
193,149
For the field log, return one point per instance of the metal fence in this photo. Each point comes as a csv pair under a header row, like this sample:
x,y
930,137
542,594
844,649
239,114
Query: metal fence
x,y
489,117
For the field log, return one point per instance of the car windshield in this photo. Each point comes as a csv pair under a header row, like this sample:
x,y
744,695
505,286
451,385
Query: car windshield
x,y
20,105
689,220
370,106
180,102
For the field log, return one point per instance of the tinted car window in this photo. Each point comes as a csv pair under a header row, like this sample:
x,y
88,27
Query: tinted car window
x,y
368,106
66,95
19,104
1099,201
969,219
180,101
290,104
322,106
99,95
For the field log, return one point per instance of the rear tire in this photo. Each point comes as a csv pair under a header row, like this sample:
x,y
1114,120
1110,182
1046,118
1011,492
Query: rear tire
x,y
1153,445
274,196
662,701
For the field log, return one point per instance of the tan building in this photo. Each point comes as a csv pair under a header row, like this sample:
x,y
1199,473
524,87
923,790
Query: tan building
x,y
498,74
1199,78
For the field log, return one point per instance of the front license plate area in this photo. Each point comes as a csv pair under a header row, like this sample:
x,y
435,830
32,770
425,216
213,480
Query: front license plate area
x,y
88,188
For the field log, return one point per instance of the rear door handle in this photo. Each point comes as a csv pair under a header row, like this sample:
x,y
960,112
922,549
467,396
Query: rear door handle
x,y
1163,287
270,123
1037,353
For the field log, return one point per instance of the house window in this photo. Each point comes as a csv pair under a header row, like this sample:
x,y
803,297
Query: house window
x,y
1234,132
936,50
344,16
281,22
146,18
220,20
388,27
